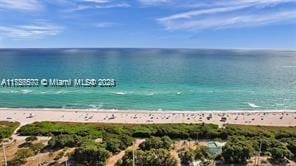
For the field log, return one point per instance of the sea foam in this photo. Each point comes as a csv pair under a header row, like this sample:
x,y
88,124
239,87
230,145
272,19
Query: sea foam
x,y
253,105
26,91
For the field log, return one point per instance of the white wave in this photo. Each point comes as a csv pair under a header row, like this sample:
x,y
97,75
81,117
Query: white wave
x,y
178,93
253,105
11,91
26,91
120,93
150,94
59,92
75,50
92,106
49,92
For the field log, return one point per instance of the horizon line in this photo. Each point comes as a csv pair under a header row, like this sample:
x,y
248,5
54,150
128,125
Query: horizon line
x,y
189,48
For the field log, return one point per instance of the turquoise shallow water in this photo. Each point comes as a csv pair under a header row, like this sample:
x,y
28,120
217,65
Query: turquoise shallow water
x,y
154,79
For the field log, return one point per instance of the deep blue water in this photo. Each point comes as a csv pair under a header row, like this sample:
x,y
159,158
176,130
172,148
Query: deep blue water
x,y
153,79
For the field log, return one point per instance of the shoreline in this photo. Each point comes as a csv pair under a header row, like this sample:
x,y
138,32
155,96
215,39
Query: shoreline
x,y
243,117
148,111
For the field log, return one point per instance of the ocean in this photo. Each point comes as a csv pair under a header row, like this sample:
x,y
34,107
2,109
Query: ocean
x,y
153,79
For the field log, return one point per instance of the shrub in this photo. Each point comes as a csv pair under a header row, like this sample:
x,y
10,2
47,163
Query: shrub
x,y
7,128
62,141
280,153
90,153
24,153
59,155
237,150
161,157
116,143
186,157
201,153
36,147
292,146
156,143
20,157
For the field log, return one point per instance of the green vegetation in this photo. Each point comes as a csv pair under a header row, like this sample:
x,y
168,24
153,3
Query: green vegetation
x,y
187,157
259,131
51,128
23,153
291,145
157,157
156,143
62,141
237,150
7,128
179,131
90,153
154,151
36,148
200,153
243,142
20,157
280,153
174,131
116,143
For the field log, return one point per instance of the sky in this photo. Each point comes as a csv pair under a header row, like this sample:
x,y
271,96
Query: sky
x,y
249,24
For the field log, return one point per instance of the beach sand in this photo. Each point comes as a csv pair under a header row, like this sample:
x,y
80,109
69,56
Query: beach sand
x,y
260,117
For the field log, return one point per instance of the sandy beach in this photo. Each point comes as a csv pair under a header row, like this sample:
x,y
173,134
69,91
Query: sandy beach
x,y
260,117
